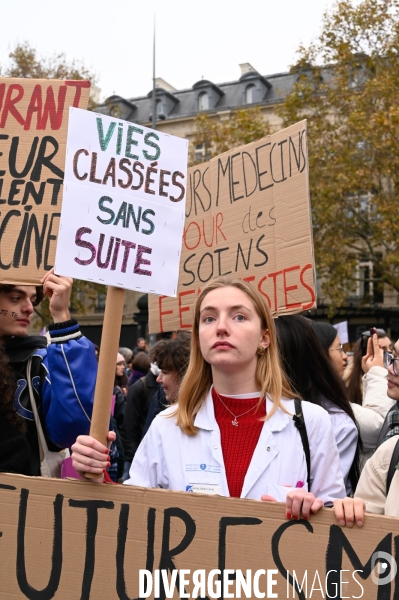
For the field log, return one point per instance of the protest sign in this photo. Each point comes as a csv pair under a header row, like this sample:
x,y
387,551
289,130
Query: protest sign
x,y
33,126
71,540
247,216
121,223
123,206
342,331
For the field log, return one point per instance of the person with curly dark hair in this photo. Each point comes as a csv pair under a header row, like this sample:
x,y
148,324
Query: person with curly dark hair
x,y
14,448
173,358
63,373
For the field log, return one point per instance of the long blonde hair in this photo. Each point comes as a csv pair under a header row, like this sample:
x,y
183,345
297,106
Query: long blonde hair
x,y
198,378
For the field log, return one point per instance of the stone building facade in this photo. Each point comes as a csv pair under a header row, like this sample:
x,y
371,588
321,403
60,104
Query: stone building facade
x,y
175,114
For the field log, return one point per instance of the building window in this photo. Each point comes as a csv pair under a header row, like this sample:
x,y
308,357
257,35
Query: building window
x,y
365,285
369,288
159,110
203,101
115,111
249,94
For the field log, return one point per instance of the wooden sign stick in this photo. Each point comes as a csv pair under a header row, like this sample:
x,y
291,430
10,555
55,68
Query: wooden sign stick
x,y
106,365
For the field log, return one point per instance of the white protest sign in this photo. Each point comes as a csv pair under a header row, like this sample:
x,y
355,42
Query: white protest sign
x,y
123,207
342,331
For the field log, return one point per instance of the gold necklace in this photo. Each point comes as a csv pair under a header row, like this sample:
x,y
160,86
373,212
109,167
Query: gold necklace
x,y
234,422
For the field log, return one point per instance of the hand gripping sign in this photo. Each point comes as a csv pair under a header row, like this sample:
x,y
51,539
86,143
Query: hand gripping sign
x,y
121,222
162,544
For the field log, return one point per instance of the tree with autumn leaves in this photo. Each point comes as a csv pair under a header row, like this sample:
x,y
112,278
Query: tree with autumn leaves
x,y
347,87
215,137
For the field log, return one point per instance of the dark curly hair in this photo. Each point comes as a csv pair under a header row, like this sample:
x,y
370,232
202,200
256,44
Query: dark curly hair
x,y
174,355
8,287
7,386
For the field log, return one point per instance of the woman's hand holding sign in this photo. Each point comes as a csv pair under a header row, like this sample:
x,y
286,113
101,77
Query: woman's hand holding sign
x,y
349,511
299,504
91,456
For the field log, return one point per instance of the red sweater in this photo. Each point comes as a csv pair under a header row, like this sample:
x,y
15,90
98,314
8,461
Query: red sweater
x,y
238,442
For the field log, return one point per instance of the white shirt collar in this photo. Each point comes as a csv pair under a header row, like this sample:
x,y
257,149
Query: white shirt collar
x,y
205,418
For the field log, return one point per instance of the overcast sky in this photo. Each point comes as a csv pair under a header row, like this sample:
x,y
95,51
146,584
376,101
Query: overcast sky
x,y
208,38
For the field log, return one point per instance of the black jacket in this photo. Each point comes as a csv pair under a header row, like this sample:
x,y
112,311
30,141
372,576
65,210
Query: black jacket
x,y
18,350
63,377
14,449
158,404
138,400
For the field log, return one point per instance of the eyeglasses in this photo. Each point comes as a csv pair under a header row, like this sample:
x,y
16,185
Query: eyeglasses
x,y
389,359
339,348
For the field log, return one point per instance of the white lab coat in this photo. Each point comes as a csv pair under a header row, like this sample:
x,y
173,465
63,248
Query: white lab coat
x,y
169,459
346,435
371,414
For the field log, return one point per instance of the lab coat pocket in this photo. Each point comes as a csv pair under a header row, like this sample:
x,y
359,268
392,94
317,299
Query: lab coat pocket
x,y
279,492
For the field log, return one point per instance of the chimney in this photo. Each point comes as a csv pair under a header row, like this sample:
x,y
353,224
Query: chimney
x,y
247,68
161,83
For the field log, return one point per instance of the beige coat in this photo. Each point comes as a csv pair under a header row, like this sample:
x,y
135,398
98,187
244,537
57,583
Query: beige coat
x,y
370,416
372,484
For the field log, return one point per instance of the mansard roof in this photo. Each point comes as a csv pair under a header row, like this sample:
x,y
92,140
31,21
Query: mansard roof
x,y
185,105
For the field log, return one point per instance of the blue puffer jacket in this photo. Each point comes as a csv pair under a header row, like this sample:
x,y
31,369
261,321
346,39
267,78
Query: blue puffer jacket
x,y
63,378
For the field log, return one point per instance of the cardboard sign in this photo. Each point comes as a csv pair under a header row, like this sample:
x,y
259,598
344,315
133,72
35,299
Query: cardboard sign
x,y
33,126
247,216
123,209
71,540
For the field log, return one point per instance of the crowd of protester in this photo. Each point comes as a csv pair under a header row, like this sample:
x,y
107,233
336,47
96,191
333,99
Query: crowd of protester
x,y
244,405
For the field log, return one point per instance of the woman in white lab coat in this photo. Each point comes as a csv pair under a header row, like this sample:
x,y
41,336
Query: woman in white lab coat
x,y
232,430
314,377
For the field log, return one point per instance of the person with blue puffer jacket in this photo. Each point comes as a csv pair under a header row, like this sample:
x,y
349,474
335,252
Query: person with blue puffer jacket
x,y
63,373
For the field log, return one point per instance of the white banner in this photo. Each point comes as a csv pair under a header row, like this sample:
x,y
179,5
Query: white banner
x,y
122,215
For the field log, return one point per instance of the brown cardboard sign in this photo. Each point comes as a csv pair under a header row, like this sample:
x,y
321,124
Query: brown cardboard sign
x,y
247,216
33,128
71,540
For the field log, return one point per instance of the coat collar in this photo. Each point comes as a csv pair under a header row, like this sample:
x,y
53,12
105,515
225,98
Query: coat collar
x,y
205,418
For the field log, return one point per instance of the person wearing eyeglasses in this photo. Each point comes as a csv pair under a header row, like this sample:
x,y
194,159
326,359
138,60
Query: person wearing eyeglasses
x,y
375,405
329,339
356,374
391,423
378,488
367,389
391,362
